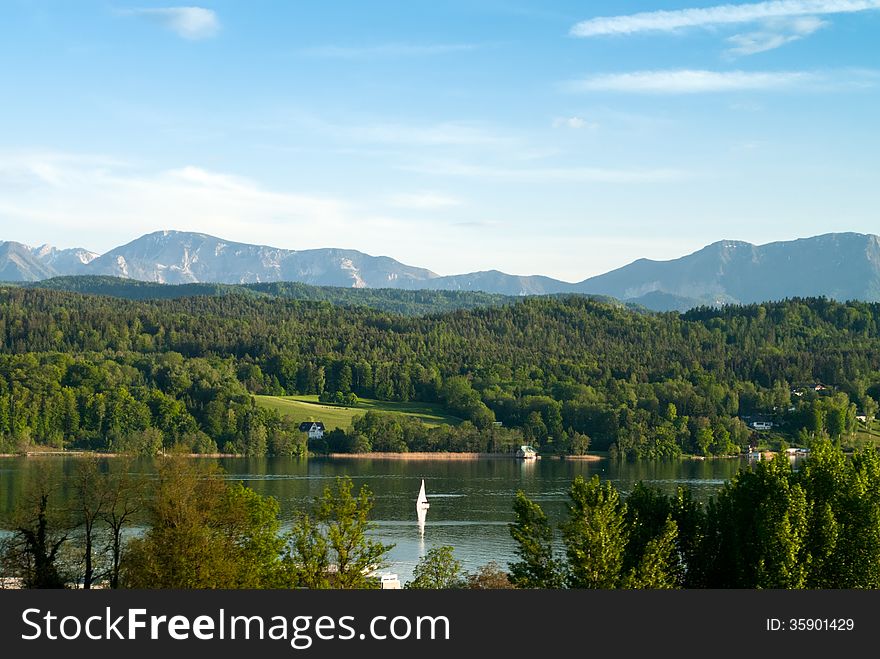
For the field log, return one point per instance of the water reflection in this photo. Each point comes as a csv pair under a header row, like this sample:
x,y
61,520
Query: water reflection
x,y
422,514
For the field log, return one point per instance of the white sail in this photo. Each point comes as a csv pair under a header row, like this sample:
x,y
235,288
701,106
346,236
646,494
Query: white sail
x,y
422,501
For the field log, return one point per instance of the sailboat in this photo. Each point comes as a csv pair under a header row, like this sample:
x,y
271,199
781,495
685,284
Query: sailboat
x,y
422,506
422,501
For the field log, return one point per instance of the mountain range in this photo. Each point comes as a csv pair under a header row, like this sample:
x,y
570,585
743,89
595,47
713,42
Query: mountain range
x,y
842,266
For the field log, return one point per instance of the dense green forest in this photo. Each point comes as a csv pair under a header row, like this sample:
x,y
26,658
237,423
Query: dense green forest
x,y
392,300
563,373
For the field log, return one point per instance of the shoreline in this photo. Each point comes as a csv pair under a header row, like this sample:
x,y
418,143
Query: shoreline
x,y
101,454
418,455
377,455
451,455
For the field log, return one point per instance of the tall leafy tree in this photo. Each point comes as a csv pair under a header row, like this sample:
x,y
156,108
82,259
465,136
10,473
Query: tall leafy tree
x,y
438,569
124,496
40,528
331,547
595,535
90,502
659,566
759,528
307,558
205,533
537,566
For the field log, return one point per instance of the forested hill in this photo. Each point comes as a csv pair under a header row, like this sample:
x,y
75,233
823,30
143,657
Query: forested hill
x,y
404,302
392,300
97,371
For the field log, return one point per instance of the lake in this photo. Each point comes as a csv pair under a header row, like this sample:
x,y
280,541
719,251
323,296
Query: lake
x,y
471,500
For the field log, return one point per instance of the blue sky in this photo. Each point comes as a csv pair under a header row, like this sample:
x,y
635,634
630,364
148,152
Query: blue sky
x,y
558,138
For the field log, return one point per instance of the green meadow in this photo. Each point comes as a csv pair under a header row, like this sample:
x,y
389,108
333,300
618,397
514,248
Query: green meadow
x,y
307,408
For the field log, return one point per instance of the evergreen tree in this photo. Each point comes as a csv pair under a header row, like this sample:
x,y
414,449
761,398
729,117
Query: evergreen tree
x,y
537,566
595,535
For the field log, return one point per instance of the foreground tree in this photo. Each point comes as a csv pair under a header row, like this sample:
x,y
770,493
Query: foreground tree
x,y
658,566
607,543
438,569
307,560
488,577
757,530
205,533
537,566
89,503
769,527
843,537
595,535
330,547
39,531
124,500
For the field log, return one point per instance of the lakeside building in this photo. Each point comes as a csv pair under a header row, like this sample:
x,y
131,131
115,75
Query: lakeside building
x,y
315,429
526,453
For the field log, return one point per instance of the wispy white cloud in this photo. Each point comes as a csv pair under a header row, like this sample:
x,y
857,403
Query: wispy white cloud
x,y
774,34
423,201
99,202
387,50
729,14
689,81
104,196
574,122
193,23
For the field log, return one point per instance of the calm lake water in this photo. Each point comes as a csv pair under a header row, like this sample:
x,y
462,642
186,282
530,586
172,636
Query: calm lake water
x,y
471,500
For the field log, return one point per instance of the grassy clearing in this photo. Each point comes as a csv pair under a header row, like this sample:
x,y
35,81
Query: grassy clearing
x,y
868,436
307,408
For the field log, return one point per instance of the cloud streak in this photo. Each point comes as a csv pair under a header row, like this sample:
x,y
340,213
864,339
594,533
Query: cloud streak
x,y
574,123
192,23
669,21
776,34
103,196
99,202
690,81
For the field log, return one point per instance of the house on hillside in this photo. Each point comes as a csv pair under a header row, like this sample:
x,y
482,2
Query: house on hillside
x,y
315,429
758,422
817,387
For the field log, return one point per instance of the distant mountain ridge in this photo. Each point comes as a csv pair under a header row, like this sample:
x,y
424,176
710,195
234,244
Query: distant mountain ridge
x,y
20,262
837,265
178,257
842,266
